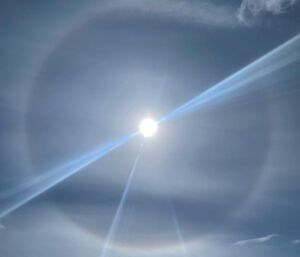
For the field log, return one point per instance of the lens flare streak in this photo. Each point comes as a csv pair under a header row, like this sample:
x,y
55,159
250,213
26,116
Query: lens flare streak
x,y
273,61
178,232
116,220
35,187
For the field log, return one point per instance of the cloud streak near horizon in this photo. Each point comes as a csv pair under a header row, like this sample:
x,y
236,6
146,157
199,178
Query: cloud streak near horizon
x,y
258,240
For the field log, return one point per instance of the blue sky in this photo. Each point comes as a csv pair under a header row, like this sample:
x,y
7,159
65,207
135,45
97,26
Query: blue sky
x,y
219,181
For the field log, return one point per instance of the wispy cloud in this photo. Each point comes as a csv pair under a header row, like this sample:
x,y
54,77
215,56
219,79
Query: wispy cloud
x,y
296,242
207,12
197,13
2,227
257,240
252,8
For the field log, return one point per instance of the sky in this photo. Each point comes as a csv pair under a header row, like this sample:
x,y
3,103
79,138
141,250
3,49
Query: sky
x,y
221,180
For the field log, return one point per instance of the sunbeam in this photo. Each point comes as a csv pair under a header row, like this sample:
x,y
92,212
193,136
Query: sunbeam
x,y
31,189
117,217
273,61
178,231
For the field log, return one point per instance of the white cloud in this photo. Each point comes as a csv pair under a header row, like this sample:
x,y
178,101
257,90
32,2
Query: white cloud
x,y
258,240
251,8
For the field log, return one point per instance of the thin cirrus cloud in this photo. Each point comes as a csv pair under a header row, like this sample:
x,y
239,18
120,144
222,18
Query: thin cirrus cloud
x,y
207,12
2,227
251,8
296,242
196,13
258,240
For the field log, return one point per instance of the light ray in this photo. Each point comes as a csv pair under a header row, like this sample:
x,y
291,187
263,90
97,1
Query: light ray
x,y
40,184
272,62
116,220
178,231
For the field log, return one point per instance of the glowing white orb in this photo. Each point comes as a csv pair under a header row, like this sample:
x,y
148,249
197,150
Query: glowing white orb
x,y
148,127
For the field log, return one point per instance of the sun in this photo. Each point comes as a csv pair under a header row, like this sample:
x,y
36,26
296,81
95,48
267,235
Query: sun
x,y
148,127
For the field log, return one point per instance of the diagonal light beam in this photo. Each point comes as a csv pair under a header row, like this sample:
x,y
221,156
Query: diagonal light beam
x,y
272,62
178,230
116,220
39,185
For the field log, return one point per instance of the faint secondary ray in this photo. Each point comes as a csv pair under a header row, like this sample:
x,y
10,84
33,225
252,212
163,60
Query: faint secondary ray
x,y
178,231
33,188
279,58
116,220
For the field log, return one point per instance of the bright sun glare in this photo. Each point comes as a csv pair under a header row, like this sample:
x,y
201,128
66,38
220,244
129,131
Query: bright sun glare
x,y
148,127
